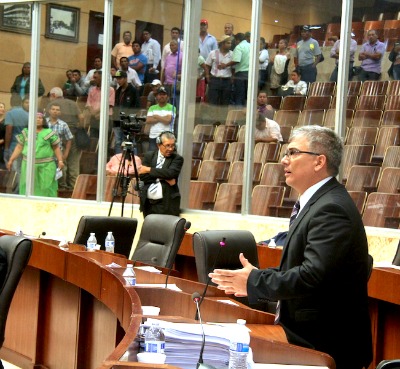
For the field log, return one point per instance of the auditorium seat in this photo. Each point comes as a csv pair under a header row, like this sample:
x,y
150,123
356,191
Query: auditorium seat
x,y
321,89
392,157
202,195
286,132
309,117
351,102
363,178
275,101
236,172
266,199
198,150
216,151
390,180
318,102
374,88
329,120
359,198
235,117
287,118
354,88
264,151
235,152
203,133
214,171
293,103
362,136
393,102
394,88
382,210
387,136
371,102
7,180
85,187
224,133
355,155
241,137
390,118
229,198
194,174
367,118
273,175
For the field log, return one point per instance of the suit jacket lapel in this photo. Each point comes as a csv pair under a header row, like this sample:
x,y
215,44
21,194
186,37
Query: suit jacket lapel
x,y
321,191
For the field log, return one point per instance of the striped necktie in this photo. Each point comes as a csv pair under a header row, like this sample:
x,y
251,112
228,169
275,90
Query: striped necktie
x,y
160,163
294,213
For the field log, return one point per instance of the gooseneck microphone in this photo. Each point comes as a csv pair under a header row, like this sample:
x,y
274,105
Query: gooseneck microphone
x,y
196,299
221,245
185,228
42,234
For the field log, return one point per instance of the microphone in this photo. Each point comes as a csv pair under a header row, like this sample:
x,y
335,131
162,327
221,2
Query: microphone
x,y
185,228
200,365
221,245
42,234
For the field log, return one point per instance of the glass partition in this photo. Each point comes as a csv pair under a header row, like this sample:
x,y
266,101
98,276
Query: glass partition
x,y
220,143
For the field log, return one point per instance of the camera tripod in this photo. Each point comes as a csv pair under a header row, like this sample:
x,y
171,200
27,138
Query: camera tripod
x,y
123,178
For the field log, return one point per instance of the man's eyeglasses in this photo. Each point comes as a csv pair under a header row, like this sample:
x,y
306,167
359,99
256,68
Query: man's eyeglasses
x,y
169,146
292,152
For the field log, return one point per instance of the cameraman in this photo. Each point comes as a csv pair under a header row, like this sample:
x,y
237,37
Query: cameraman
x,y
125,101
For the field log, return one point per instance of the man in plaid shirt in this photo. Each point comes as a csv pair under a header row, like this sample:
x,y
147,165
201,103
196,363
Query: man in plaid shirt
x,y
64,133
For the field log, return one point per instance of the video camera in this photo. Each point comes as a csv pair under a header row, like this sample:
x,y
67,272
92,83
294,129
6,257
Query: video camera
x,y
131,124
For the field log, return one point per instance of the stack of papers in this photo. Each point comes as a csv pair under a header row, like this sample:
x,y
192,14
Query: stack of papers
x,y
183,344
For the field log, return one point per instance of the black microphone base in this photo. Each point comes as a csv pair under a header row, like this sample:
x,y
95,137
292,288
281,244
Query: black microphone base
x,y
204,366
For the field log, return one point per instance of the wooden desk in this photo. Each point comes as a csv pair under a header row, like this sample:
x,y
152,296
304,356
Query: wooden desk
x,y
72,311
383,291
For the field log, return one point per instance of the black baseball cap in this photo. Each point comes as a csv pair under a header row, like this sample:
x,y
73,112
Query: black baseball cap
x,y
162,90
120,74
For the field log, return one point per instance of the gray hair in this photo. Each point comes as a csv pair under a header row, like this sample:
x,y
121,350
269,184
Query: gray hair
x,y
56,91
323,141
167,135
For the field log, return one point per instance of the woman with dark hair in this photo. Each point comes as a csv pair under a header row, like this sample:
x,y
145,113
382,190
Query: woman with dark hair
x,y
21,83
47,146
394,57
279,66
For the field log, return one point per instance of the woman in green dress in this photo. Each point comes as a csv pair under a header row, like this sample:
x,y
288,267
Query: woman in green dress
x,y
47,146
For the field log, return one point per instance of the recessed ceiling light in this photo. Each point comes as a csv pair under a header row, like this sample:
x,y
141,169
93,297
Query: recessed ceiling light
x,y
276,21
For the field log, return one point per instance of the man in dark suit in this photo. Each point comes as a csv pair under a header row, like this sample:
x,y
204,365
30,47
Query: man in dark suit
x,y
159,172
321,283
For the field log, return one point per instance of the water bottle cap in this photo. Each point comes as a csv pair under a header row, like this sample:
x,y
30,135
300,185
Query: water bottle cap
x,y
92,234
109,233
241,321
129,265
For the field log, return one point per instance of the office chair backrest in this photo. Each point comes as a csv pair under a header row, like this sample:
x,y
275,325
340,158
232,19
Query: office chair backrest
x,y
159,240
17,251
206,245
396,259
123,229
389,364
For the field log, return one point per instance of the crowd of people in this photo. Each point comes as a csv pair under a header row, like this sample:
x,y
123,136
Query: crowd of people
x,y
223,66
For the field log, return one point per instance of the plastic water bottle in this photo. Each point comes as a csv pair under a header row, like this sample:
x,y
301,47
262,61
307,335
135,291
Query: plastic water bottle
x,y
91,242
109,242
239,346
154,339
130,275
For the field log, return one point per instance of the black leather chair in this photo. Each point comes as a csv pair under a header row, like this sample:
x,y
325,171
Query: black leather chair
x,y
389,364
17,251
160,239
396,259
206,245
123,229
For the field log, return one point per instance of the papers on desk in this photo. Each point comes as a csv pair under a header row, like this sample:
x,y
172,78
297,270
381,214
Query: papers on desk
x,y
386,264
183,344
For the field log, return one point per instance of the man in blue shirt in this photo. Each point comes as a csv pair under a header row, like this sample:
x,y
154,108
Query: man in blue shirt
x,y
16,120
138,60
